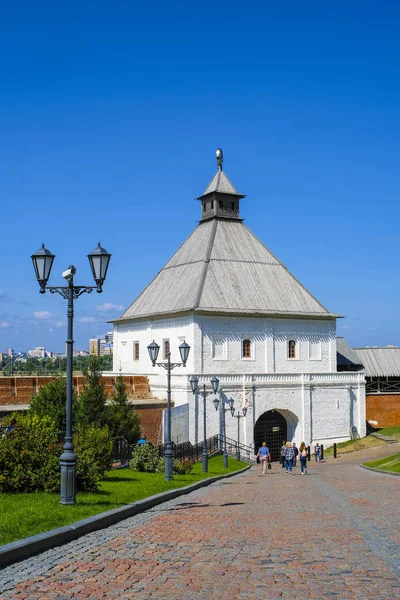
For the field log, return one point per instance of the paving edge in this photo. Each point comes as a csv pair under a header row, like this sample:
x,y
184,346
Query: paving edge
x,y
35,544
380,471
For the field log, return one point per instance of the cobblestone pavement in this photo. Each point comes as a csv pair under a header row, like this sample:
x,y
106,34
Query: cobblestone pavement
x,y
334,533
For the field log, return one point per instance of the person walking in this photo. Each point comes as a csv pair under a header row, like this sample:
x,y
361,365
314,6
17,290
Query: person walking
x,y
282,459
296,452
289,454
317,450
303,458
264,456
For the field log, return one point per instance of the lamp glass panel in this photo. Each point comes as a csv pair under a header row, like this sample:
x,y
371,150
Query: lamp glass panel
x,y
184,350
216,402
193,383
231,402
215,384
232,411
153,350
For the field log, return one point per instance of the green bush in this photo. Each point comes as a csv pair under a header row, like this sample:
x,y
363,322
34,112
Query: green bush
x,y
121,417
50,401
29,456
146,459
182,467
93,448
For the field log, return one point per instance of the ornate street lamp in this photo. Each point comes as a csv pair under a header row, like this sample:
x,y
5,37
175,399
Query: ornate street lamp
x,y
214,384
238,416
153,350
42,263
223,412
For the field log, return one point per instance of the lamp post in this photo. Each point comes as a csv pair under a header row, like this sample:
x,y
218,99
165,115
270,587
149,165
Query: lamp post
x,y
153,350
43,261
223,411
238,416
214,384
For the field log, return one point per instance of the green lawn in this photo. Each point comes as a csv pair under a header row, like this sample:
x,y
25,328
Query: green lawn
x,y
393,432
391,463
353,445
23,515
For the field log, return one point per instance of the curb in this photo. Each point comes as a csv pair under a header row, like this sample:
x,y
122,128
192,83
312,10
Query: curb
x,y
35,544
380,471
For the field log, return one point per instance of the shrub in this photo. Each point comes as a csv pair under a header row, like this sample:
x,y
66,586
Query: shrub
x,y
92,401
181,467
120,416
50,401
146,459
93,448
29,456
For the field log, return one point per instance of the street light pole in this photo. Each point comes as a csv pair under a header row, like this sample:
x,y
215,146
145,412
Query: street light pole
x,y
223,411
214,383
43,262
238,416
153,350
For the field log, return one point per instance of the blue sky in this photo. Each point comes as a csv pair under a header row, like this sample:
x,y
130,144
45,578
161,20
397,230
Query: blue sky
x,y
110,115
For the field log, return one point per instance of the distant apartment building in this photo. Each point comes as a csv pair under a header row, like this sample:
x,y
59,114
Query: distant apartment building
x,y
102,346
38,352
94,346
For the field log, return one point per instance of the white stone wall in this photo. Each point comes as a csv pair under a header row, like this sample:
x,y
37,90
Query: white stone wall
x,y
316,410
222,339
175,330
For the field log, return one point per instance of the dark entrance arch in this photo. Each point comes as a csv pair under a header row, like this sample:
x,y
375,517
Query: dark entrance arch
x,y
271,427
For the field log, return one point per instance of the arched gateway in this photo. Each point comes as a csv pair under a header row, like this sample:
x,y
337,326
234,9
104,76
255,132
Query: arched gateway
x,y
271,427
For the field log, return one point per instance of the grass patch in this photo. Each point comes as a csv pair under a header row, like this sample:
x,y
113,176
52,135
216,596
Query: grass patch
x,y
353,445
391,464
23,515
392,432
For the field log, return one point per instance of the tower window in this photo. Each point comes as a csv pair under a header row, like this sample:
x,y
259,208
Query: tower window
x,y
165,349
212,204
246,349
221,204
292,349
204,206
233,206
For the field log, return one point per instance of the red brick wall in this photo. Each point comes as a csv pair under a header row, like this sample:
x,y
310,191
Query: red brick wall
x,y
151,418
384,409
19,390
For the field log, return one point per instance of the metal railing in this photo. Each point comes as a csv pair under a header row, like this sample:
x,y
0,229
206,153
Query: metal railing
x,y
191,451
244,452
122,451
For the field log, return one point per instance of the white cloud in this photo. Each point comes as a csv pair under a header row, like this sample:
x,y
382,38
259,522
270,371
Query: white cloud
x,y
4,325
108,306
87,320
59,323
43,314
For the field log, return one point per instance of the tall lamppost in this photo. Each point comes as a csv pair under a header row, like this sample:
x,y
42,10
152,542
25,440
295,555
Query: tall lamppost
x,y
223,411
238,416
214,384
153,350
43,261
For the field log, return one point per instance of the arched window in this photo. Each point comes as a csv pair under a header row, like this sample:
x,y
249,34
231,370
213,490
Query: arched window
x,y
246,349
292,349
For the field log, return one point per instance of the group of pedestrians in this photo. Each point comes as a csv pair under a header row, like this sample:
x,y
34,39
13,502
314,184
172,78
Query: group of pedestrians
x,y
289,455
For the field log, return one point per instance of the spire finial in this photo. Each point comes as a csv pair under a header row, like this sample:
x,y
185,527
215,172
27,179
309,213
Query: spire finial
x,y
220,158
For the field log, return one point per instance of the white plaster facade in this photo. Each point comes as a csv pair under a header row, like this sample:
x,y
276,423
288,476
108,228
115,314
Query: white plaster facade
x,y
318,403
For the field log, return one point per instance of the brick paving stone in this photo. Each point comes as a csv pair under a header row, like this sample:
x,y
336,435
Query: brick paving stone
x,y
334,533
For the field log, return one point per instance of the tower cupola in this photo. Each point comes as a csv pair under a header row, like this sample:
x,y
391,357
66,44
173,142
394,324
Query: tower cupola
x,y
220,199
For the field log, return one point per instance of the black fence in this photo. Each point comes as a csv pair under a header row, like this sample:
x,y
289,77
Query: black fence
x,y
193,452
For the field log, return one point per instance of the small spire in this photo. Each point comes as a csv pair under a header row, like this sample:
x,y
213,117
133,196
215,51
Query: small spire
x,y
220,158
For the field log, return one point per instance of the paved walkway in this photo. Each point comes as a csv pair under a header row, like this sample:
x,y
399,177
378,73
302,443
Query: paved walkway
x,y
334,533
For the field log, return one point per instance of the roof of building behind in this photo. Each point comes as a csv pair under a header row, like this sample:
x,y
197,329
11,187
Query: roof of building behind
x,y
346,356
380,362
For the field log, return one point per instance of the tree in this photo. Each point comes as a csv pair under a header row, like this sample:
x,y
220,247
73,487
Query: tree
x,y
93,398
50,401
121,417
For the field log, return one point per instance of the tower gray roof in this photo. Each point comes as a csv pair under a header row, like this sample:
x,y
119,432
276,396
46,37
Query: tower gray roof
x,y
220,183
223,268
